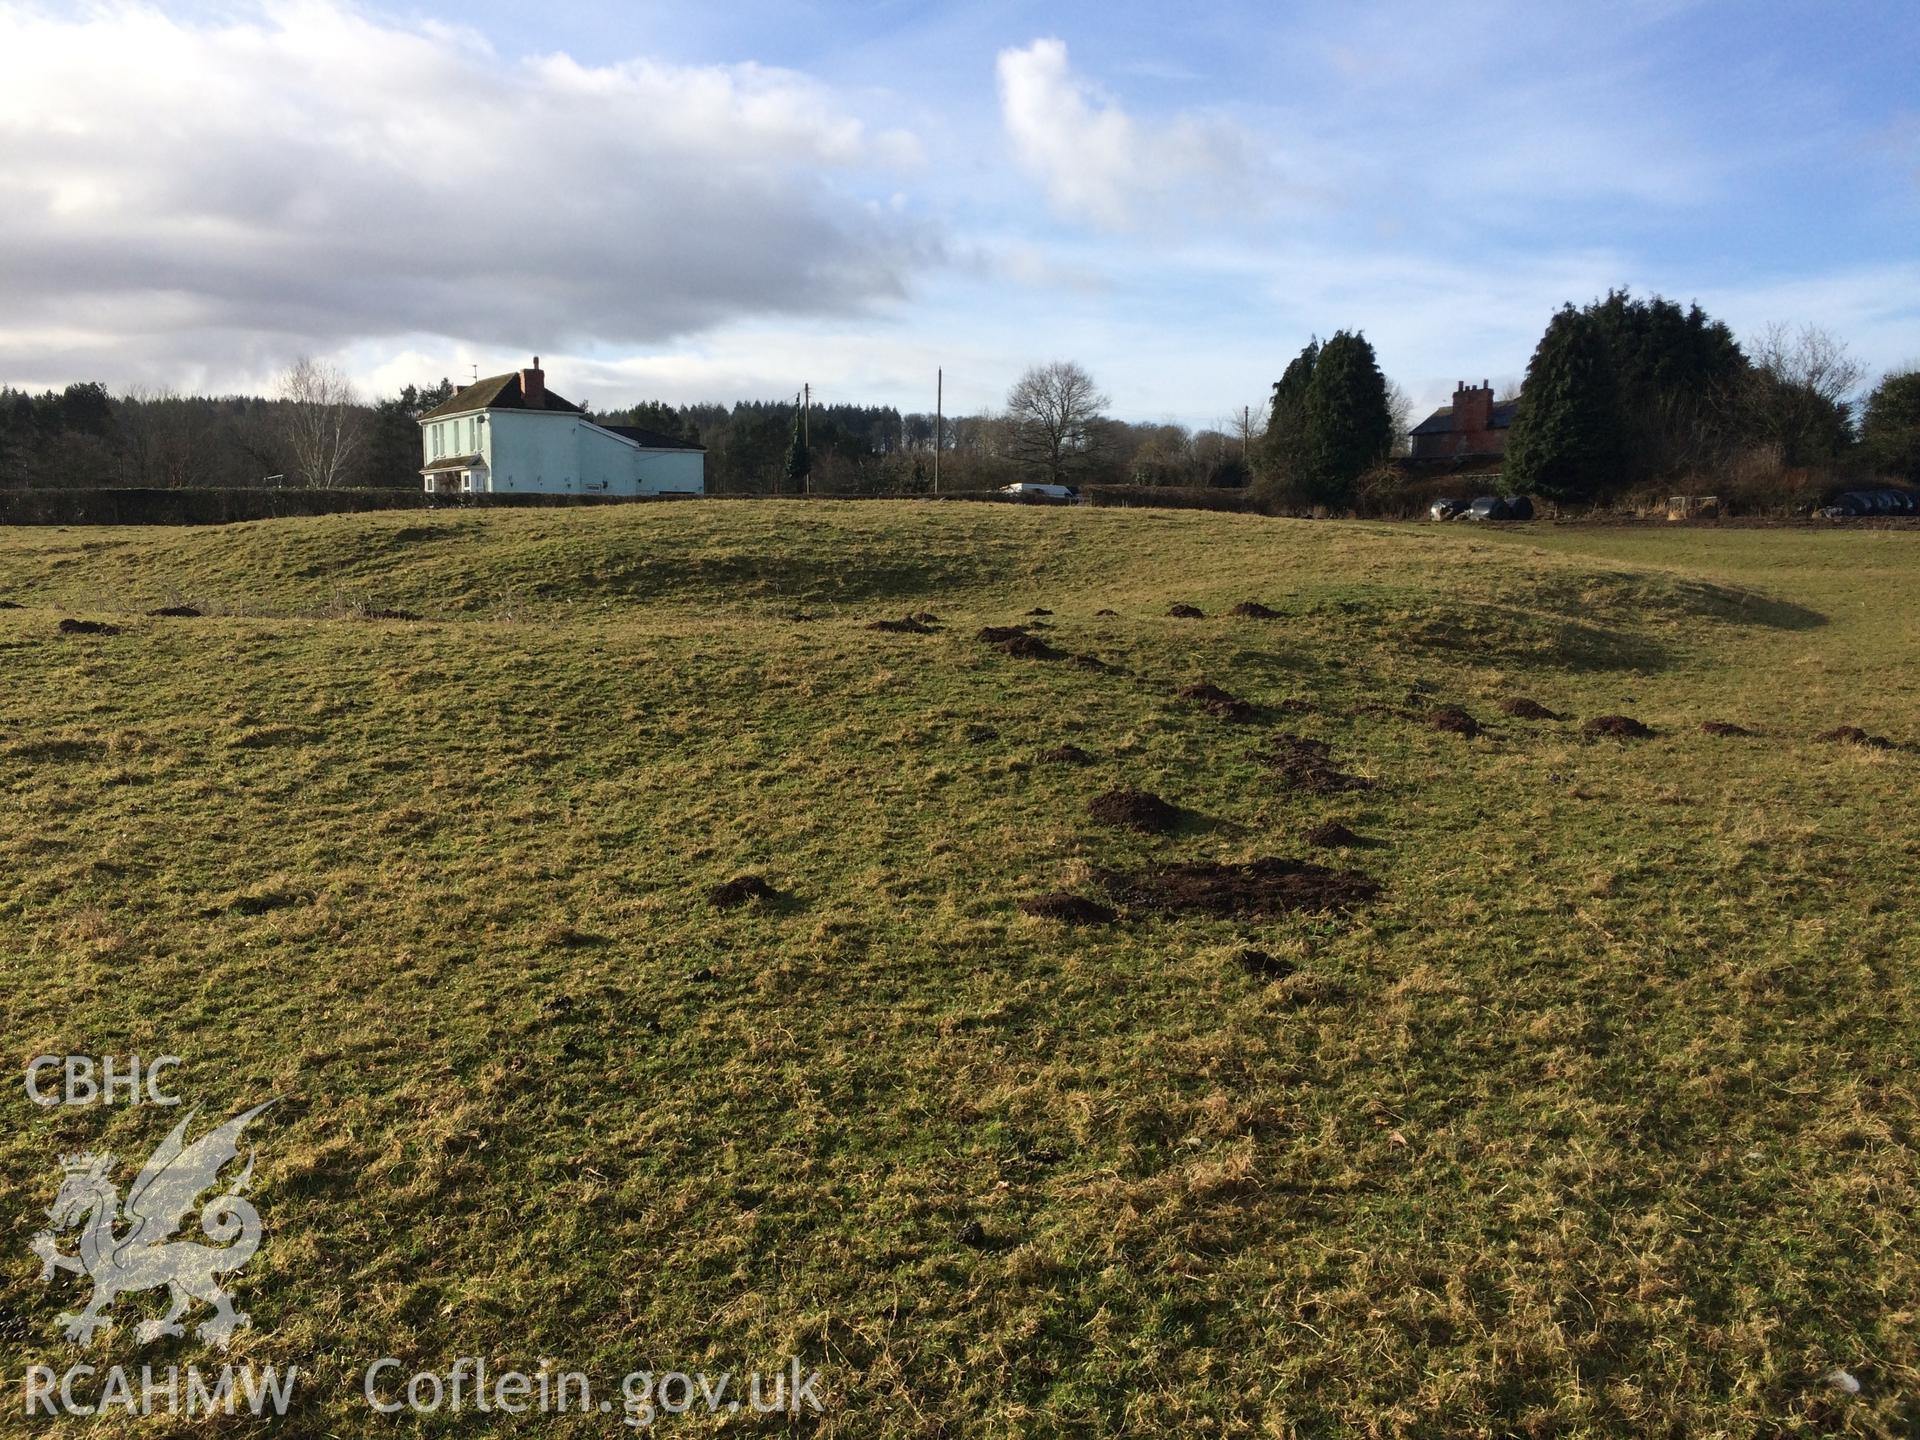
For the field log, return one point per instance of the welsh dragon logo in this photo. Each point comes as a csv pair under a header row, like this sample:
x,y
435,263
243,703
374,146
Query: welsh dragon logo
x,y
144,1255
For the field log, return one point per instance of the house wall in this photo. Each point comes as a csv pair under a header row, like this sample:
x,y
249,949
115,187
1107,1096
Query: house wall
x,y
1471,430
673,472
557,453
1459,442
532,452
462,435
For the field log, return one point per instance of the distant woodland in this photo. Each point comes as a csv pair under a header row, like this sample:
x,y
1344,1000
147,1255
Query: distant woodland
x,y
83,436
1623,394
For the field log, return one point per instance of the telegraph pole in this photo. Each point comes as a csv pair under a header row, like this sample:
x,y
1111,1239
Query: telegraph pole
x,y
939,388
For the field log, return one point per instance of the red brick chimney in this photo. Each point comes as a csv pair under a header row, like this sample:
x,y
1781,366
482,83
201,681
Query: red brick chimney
x,y
1472,408
533,386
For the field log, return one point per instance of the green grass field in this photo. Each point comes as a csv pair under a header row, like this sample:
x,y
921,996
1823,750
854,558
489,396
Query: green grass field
x,y
1598,1120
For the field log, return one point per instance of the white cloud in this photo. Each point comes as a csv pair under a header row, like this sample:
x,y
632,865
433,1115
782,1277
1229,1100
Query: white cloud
x,y
1096,161
1874,309
182,199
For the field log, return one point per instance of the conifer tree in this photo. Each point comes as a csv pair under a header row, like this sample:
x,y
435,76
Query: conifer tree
x,y
1349,427
1892,427
799,462
1565,443
1285,441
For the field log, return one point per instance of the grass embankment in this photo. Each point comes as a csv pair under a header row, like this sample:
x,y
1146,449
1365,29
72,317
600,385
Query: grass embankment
x,y
1598,1120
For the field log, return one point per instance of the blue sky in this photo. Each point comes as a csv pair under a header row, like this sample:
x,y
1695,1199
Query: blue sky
x,y
726,201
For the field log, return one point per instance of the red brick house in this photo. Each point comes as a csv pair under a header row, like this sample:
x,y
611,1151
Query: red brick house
x,y
1472,425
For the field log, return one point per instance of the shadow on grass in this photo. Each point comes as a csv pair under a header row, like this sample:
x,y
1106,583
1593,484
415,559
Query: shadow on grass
x,y
1499,634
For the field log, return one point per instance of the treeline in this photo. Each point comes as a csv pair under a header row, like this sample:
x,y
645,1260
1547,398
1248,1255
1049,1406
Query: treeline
x,y
765,447
1626,391
82,437
1625,395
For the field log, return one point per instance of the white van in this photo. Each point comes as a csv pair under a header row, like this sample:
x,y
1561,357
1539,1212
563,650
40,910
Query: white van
x,y
1033,490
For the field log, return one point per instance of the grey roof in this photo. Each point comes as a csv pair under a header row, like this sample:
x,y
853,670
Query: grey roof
x,y
496,392
1440,422
651,439
450,462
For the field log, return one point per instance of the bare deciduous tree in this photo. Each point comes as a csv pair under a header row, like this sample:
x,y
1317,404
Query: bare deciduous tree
x,y
1052,415
1400,415
134,415
323,422
1808,358
1800,394
183,441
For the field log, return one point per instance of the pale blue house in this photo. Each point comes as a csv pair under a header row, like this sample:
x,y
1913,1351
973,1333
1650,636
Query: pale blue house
x,y
509,433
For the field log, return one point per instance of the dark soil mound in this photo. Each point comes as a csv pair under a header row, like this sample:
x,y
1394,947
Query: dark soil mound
x,y
1068,909
981,734
1723,727
800,615
1031,647
925,617
1308,765
175,612
1263,966
1620,727
1205,691
88,627
907,626
1333,836
391,615
739,890
11,605
1134,809
1103,614
999,634
1267,886
1521,708
1186,612
1038,611
1254,610
1453,720
1219,702
1066,755
1854,735
1091,662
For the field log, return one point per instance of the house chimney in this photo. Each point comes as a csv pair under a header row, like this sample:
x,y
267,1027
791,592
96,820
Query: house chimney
x,y
533,385
1472,409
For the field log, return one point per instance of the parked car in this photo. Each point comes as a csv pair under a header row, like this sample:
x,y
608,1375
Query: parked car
x,y
1036,490
1500,507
